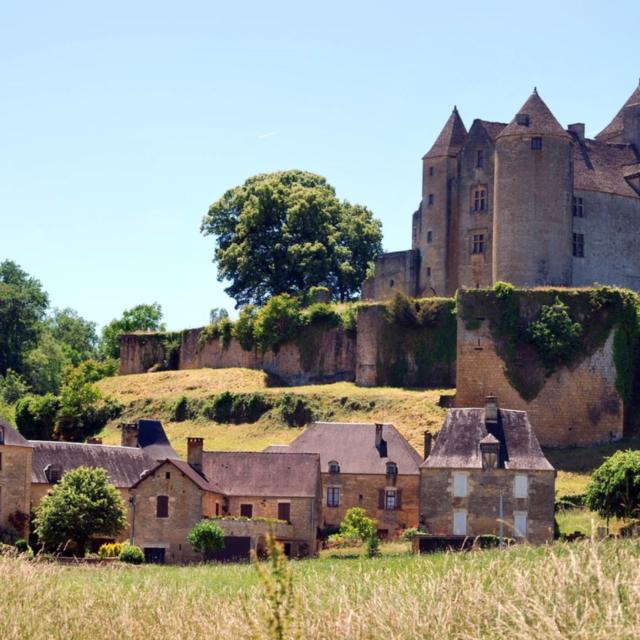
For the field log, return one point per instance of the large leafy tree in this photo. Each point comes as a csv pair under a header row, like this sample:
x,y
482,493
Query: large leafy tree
x,y
614,488
77,336
143,317
285,232
82,505
23,304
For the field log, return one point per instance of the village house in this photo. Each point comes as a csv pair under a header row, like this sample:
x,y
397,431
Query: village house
x,y
487,468
363,465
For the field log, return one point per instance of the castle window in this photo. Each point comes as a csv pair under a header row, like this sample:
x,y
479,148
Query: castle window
x,y
477,246
162,506
334,467
430,199
430,171
479,200
428,272
523,119
578,245
429,236
578,208
333,496
480,159
536,144
246,510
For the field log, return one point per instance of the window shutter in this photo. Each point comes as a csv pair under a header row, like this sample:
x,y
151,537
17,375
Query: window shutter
x,y
399,499
380,498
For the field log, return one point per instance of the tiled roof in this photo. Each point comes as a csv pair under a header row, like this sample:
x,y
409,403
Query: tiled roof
x,y
352,446
182,466
541,120
451,138
123,464
617,124
458,443
600,166
493,129
12,437
252,473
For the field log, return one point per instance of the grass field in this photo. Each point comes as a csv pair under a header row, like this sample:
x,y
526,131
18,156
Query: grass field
x,y
584,591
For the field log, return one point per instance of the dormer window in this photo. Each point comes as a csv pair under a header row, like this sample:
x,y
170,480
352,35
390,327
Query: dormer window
x,y
490,452
334,467
392,469
53,473
523,119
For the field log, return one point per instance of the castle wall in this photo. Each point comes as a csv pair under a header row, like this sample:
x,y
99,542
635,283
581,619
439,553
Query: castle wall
x,y
397,271
576,407
140,351
15,481
611,241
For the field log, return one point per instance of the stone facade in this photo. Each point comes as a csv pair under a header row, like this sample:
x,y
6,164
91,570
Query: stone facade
x,y
528,202
15,481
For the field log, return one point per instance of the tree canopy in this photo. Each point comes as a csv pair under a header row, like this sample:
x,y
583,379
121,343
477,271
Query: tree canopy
x,y
142,317
206,537
82,505
287,231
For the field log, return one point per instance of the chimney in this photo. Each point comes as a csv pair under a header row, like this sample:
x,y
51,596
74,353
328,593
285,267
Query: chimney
x,y
427,444
578,129
491,409
94,441
194,453
129,437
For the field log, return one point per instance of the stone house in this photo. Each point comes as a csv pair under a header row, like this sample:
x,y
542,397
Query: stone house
x,y
487,467
15,476
363,465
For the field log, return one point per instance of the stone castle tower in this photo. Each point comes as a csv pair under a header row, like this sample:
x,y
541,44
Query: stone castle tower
x,y
527,202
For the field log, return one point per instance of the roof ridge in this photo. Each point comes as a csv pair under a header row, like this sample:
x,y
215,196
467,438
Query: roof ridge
x,y
534,118
617,124
451,138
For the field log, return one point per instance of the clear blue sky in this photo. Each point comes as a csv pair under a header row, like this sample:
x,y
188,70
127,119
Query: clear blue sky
x,y
122,121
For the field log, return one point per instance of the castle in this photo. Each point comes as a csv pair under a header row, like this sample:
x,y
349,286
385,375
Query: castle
x,y
527,202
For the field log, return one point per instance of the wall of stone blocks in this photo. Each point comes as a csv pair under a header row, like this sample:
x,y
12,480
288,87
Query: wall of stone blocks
x,y
397,271
15,481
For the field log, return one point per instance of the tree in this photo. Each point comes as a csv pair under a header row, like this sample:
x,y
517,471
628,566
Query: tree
x,y
287,231
23,304
77,336
217,314
614,488
43,365
206,537
82,505
143,317
357,525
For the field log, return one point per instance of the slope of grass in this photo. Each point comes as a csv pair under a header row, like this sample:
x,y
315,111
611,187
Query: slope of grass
x,y
585,591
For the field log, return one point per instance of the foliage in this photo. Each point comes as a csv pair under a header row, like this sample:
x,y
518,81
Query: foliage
x,y
90,371
222,329
111,549
570,501
81,505
44,365
36,416
143,317
238,408
295,410
614,489
216,314
277,321
12,387
488,541
76,335
22,546
357,525
131,554
23,304
349,319
279,602
19,520
243,328
181,409
555,335
285,232
8,535
206,537
373,546
409,534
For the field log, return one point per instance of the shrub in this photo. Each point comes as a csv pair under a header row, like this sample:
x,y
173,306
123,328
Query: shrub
x,y
111,550
349,320
220,407
243,328
409,534
23,546
180,410
357,525
277,321
295,410
206,537
222,330
36,416
321,313
249,407
131,554
402,311
373,546
488,541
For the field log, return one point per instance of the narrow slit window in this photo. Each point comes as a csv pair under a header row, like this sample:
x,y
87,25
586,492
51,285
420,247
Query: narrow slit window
x,y
578,245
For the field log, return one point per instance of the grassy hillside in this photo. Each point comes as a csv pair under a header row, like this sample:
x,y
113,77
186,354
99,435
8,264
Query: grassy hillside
x,y
581,591
155,394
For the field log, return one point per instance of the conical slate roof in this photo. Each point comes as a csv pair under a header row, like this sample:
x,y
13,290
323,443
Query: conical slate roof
x,y
617,124
540,122
451,138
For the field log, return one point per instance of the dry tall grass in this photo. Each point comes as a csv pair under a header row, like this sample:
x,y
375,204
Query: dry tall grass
x,y
585,591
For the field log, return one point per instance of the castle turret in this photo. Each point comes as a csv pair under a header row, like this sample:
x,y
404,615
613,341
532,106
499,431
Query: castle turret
x,y
533,196
625,127
435,225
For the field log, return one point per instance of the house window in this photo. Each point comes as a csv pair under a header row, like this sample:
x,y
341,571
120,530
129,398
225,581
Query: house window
x,y
536,144
246,510
430,199
430,171
477,245
459,485
578,245
392,469
429,236
334,467
162,507
578,208
217,508
167,475
523,119
521,486
480,159
520,524
479,200
284,511
333,496
460,523
390,500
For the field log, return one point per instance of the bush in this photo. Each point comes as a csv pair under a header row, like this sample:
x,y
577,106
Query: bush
x,y
488,541
180,410
249,407
295,410
131,554
219,409
206,537
111,550
243,329
23,546
349,320
409,534
373,546
357,525
36,416
277,321
321,313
